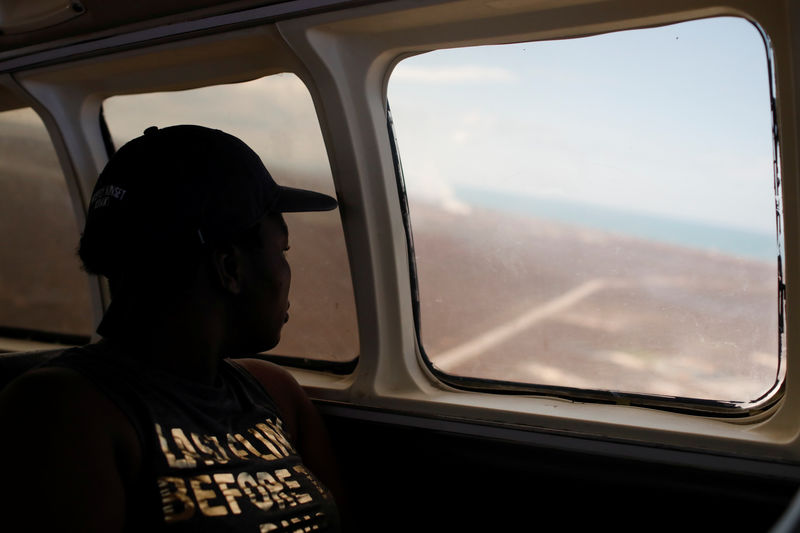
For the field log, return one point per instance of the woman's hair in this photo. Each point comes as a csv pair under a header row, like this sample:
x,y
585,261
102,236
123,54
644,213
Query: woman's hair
x,y
131,266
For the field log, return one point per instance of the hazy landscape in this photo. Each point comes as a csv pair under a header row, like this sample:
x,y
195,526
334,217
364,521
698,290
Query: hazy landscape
x,y
513,297
41,284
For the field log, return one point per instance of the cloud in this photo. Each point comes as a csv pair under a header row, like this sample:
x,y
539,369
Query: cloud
x,y
426,183
445,75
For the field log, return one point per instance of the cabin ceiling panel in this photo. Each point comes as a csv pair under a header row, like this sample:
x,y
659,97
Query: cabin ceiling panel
x,y
102,16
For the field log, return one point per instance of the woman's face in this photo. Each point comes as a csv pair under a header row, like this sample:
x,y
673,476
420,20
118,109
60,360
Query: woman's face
x,y
266,277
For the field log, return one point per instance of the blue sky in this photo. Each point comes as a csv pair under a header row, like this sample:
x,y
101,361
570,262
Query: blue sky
x,y
672,121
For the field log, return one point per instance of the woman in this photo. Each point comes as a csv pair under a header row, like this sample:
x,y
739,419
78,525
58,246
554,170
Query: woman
x,y
163,425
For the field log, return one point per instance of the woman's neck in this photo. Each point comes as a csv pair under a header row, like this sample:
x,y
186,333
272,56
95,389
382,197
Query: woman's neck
x,y
183,340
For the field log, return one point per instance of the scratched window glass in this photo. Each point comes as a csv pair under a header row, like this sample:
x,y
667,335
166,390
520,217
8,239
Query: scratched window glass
x,y
44,295
275,116
597,213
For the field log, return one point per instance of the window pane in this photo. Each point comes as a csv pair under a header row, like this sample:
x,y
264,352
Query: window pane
x,y
44,295
597,213
275,116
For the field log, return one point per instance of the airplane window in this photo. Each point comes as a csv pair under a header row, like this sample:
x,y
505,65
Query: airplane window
x,y
275,116
44,295
597,213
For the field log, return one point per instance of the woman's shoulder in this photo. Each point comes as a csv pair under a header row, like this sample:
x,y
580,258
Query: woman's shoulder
x,y
289,397
63,396
52,389
305,426
269,374
62,422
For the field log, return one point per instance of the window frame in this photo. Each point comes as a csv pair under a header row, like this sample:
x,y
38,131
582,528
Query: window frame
x,y
409,384
678,404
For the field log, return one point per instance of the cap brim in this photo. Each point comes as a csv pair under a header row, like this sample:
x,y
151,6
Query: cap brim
x,y
291,200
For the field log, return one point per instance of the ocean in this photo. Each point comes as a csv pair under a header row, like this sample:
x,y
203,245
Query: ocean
x,y
703,236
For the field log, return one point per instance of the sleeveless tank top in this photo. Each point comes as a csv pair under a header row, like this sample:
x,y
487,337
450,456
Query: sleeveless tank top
x,y
215,457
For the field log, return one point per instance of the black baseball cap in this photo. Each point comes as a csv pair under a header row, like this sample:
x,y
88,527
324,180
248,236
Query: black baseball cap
x,y
183,186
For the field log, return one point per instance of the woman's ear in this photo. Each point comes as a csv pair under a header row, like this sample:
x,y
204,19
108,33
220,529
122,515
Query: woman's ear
x,y
227,268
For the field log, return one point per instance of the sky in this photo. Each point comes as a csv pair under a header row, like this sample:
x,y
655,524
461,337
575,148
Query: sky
x,y
670,121
274,115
